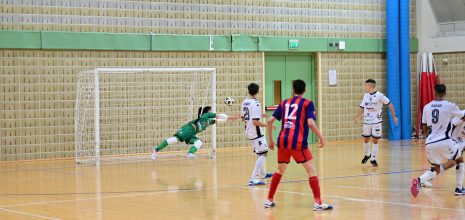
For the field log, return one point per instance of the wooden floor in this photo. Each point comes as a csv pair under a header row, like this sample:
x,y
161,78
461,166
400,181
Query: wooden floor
x,y
217,189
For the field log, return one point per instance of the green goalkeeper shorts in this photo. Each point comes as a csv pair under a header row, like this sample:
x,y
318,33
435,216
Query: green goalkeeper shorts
x,y
186,134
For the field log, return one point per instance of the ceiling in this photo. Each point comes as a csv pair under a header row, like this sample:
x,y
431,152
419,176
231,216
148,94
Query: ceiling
x,y
448,10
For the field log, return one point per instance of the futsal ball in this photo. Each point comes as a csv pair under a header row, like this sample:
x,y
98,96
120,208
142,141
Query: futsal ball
x,y
229,101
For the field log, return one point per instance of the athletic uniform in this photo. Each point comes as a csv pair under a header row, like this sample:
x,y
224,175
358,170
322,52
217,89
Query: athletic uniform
x,y
438,116
372,105
292,139
458,132
187,132
250,111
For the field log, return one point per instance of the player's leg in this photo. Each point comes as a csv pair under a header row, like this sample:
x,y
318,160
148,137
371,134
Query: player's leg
x,y
163,144
284,157
305,158
366,142
196,145
376,134
460,173
261,150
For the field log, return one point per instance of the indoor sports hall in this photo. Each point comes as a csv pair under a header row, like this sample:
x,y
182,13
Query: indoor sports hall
x,y
118,109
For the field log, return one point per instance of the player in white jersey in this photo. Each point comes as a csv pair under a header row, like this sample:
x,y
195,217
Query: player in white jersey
x,y
372,108
437,118
251,113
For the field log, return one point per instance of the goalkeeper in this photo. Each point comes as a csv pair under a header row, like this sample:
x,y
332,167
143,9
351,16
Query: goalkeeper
x,y
188,131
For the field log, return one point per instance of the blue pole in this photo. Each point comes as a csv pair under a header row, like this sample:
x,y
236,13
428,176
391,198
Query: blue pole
x,y
392,71
405,98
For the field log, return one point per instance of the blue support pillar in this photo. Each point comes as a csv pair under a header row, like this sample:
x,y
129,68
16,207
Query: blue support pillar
x,y
405,98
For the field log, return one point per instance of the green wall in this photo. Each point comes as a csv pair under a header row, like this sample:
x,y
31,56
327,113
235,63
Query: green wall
x,y
165,42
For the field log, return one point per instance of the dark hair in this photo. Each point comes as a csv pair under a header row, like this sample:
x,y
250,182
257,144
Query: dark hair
x,y
440,89
299,87
253,89
371,81
203,110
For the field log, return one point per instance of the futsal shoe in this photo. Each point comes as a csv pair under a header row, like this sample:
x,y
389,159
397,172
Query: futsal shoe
x,y
322,207
415,188
460,192
191,156
269,204
365,159
154,155
267,175
374,163
255,182
426,184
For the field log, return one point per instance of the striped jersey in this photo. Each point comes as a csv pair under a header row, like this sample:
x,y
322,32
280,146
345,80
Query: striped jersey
x,y
294,114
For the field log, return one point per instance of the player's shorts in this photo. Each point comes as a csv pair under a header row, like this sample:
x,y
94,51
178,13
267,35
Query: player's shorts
x,y
186,134
372,130
440,151
300,156
260,146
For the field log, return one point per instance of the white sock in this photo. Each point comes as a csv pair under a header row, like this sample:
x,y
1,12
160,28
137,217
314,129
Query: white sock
x,y
427,176
258,166
367,149
262,171
374,151
460,171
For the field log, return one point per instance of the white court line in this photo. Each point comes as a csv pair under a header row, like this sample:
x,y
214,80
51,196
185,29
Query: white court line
x,y
383,189
370,200
28,214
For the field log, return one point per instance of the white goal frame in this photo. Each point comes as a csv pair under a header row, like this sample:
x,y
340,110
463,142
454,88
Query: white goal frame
x,y
96,73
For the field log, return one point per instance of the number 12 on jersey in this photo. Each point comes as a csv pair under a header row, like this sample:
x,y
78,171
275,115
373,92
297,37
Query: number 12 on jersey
x,y
291,115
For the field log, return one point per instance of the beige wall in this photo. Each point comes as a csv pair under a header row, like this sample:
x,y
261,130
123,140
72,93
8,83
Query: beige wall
x,y
452,75
340,103
38,94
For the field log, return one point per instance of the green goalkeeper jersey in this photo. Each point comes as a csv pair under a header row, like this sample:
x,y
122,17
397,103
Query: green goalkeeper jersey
x,y
204,121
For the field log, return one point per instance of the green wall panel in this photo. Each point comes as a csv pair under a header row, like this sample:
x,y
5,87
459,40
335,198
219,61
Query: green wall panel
x,y
221,43
180,42
244,43
20,40
280,44
95,41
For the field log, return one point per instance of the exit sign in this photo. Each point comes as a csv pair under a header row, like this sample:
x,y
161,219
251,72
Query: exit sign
x,y
294,44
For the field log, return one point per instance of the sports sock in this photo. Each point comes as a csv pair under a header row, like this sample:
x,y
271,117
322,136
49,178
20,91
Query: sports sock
x,y
315,186
367,149
258,166
274,185
192,150
427,176
374,151
162,145
460,171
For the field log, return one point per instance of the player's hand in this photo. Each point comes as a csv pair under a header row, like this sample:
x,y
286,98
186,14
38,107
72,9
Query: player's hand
x,y
264,115
271,144
394,118
322,143
356,120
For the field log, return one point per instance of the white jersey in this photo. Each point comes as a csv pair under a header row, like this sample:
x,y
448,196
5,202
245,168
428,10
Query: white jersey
x,y
251,110
438,116
372,105
458,129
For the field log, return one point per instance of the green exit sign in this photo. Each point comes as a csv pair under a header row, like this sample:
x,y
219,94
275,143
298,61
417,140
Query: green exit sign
x,y
294,44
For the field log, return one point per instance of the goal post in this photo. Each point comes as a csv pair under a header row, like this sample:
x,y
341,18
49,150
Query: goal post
x,y
122,113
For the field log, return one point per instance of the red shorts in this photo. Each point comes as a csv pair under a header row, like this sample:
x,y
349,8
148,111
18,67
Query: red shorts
x,y
300,156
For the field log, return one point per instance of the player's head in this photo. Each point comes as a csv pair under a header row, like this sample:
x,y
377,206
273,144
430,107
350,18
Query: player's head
x,y
440,90
299,87
203,110
253,89
370,85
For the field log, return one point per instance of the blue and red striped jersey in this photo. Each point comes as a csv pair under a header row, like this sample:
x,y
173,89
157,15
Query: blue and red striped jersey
x,y
294,114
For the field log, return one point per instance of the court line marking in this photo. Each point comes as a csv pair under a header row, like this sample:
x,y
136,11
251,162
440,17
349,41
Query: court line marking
x,y
368,200
189,190
27,213
387,189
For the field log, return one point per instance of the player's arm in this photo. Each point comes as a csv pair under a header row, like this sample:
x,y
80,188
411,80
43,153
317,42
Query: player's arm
x,y
316,131
393,113
269,129
359,113
225,117
424,123
257,122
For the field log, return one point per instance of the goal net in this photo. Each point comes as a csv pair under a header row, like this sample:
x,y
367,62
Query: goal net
x,y
122,113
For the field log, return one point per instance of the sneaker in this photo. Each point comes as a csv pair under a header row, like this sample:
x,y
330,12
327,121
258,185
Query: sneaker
x,y
255,182
460,192
415,188
365,159
267,175
323,206
374,163
191,156
426,184
154,155
269,204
